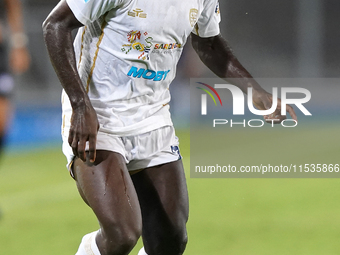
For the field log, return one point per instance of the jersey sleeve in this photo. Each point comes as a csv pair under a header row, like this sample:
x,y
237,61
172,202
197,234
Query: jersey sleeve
x,y
208,23
87,11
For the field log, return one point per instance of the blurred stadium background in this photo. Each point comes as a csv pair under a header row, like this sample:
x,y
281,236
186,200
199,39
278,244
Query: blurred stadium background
x,y
41,212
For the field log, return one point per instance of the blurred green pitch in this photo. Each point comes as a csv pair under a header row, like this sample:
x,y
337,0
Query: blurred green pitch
x,y
43,213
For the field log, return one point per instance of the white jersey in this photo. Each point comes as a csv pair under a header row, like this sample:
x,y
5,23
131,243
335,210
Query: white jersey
x,y
127,54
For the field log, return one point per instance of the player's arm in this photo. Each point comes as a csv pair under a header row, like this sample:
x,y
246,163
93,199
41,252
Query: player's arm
x,y
19,56
217,55
57,30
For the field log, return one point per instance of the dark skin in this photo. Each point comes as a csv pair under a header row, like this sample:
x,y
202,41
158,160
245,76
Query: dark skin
x,y
155,198
57,34
152,202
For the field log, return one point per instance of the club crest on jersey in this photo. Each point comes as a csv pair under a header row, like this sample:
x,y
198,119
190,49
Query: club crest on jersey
x,y
193,16
217,9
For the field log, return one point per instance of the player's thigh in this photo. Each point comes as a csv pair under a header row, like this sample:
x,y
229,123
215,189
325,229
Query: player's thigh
x,y
107,188
163,197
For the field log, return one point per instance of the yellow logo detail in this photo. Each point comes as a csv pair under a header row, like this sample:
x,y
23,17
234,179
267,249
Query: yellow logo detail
x,y
138,46
217,9
140,42
137,13
193,16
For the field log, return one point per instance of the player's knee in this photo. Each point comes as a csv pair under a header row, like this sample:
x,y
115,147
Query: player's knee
x,y
180,243
121,245
120,239
171,244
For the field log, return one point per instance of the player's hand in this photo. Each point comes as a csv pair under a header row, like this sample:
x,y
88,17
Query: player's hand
x,y
264,100
84,128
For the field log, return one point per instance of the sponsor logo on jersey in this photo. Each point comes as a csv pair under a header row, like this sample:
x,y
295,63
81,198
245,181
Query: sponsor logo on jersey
x,y
143,43
193,16
138,41
147,74
137,13
167,46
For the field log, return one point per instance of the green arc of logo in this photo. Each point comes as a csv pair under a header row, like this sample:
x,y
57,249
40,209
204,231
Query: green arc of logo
x,y
208,92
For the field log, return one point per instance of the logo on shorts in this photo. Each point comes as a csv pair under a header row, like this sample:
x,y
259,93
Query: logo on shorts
x,y
175,150
137,13
193,16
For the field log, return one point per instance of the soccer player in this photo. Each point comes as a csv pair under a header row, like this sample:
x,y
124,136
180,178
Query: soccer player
x,y
117,132
18,61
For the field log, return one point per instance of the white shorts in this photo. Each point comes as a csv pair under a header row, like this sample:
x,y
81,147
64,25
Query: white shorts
x,y
153,148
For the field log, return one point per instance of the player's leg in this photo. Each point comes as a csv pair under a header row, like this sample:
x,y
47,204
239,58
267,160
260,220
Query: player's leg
x,y
4,116
5,108
6,90
107,188
163,197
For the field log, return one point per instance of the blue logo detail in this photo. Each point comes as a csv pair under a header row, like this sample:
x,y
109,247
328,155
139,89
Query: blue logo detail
x,y
86,1
217,9
175,150
148,74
